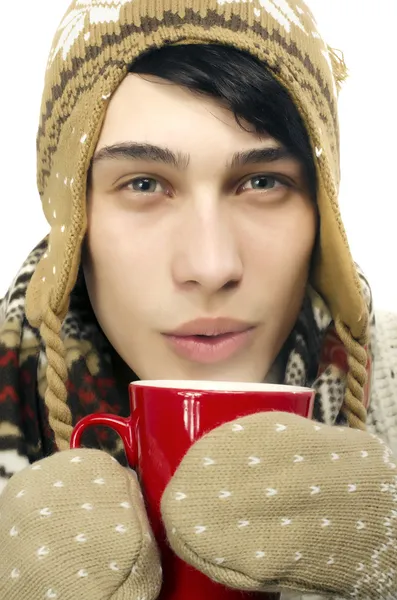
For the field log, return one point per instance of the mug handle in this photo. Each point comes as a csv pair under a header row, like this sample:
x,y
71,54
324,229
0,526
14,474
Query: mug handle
x,y
124,426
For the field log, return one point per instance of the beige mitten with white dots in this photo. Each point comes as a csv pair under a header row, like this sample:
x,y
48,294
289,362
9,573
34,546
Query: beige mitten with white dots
x,y
275,501
74,526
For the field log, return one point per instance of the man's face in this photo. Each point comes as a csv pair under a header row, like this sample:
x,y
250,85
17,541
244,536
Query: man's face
x,y
192,217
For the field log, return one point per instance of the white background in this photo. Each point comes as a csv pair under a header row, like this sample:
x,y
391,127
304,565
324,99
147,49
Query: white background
x,y
363,29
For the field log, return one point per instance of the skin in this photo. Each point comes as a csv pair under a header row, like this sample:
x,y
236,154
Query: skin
x,y
203,239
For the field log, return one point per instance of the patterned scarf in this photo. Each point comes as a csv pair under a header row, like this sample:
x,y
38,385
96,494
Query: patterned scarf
x,y
312,356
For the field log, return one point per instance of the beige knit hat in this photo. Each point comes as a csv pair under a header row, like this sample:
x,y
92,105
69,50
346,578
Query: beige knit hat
x,y
93,48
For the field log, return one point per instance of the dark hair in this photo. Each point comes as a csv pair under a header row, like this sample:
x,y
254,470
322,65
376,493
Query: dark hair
x,y
242,83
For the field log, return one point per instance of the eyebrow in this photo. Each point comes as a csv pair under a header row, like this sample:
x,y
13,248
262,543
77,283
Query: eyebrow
x,y
137,151
153,153
260,155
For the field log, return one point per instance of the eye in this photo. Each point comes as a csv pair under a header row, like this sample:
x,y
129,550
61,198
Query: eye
x,y
144,185
261,183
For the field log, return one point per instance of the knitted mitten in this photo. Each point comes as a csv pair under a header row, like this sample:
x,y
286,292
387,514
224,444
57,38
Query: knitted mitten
x,y
74,526
275,501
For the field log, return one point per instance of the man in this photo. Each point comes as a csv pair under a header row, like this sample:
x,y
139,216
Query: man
x,y
191,189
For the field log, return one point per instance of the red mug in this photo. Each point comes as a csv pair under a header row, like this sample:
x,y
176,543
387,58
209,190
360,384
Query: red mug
x,y
167,418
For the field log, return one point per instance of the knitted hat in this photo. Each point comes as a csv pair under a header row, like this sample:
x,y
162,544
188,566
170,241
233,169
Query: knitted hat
x,y
92,51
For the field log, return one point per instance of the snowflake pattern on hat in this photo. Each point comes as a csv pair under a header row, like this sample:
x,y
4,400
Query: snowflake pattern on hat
x,y
284,14
74,22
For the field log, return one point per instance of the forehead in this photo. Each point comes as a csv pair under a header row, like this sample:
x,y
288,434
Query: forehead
x,y
147,109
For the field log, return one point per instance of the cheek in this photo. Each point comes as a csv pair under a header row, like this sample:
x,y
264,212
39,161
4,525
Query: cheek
x,y
122,264
107,256
110,242
281,245
286,263
298,236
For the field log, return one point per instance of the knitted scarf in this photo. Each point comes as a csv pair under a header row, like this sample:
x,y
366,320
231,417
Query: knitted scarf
x,y
312,356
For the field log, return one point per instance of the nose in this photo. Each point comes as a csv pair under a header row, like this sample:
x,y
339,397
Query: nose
x,y
207,251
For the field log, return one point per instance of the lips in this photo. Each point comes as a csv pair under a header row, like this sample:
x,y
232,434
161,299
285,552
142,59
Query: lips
x,y
210,340
211,327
